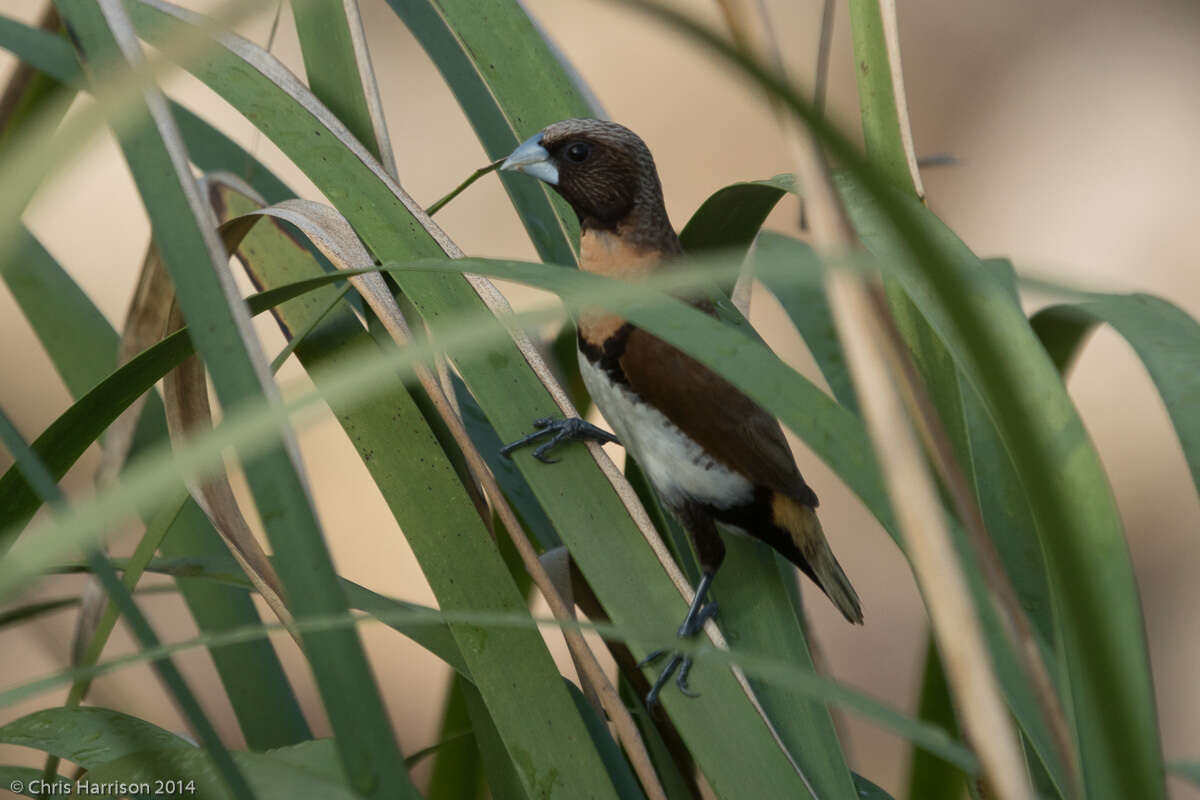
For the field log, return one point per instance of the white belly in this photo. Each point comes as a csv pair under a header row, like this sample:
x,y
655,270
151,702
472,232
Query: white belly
x,y
679,469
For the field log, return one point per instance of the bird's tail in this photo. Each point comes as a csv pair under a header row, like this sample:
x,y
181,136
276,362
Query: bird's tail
x,y
801,523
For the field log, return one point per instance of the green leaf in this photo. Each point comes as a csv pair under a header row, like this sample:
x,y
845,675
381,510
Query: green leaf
x,y
120,598
68,324
602,739
33,611
156,529
318,756
1076,522
974,442
931,778
196,262
271,778
1005,510
730,218
89,736
436,638
808,309
42,49
503,780
883,128
516,489
512,669
510,85
267,710
762,613
68,436
1062,331
1164,337
868,791
49,298
612,553
727,351
457,766
339,73
996,490
1103,640
671,764
25,780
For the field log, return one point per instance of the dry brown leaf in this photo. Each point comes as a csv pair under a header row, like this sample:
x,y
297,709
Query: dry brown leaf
x,y
188,412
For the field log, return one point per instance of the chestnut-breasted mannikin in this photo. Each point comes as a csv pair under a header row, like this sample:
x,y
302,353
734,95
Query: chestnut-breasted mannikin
x,y
713,455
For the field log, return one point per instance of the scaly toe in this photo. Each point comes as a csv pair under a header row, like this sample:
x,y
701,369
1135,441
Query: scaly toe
x,y
681,680
663,677
650,659
540,454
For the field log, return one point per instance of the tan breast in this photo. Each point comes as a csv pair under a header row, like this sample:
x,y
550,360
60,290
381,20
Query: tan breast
x,y
608,253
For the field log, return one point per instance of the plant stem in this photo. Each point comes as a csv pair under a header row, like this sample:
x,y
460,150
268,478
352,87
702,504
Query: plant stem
x,y
457,190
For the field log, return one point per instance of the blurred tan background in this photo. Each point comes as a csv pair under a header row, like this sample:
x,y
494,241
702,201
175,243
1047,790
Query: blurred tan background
x,y
1075,124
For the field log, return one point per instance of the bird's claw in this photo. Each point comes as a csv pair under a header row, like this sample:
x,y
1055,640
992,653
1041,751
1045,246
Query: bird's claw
x,y
692,624
679,666
663,677
563,430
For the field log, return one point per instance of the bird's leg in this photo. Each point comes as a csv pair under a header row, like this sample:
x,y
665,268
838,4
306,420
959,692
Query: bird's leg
x,y
570,429
698,614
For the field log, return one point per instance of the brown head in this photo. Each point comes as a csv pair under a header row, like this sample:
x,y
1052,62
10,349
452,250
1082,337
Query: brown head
x,y
606,173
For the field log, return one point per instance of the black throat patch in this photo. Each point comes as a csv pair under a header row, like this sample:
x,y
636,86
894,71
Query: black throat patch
x,y
608,355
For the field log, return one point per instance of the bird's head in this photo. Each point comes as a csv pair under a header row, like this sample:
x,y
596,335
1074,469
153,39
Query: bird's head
x,y
604,170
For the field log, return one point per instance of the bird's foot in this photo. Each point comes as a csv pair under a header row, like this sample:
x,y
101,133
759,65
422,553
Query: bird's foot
x,y
570,429
679,664
678,661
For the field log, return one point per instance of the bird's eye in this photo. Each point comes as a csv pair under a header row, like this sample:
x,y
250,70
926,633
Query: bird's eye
x,y
579,152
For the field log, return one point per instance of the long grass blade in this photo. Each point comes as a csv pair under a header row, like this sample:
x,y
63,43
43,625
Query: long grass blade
x,y
394,228
119,593
953,443
514,673
339,71
467,41
594,290
61,314
195,259
886,130
932,778
117,748
457,767
808,308
29,91
935,739
1103,636
762,608
1164,337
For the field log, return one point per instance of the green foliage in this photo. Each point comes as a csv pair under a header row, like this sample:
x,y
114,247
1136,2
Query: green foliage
x,y
993,377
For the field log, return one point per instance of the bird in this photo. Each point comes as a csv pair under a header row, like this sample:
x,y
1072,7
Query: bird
x,y
716,458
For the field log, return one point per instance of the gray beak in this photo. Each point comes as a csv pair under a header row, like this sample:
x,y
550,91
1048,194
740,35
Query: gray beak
x,y
532,159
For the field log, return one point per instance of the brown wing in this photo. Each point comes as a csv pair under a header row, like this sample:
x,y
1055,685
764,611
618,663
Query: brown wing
x,y
731,427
